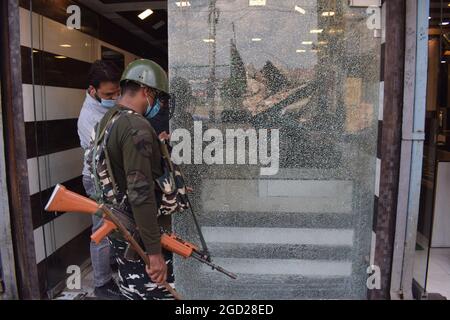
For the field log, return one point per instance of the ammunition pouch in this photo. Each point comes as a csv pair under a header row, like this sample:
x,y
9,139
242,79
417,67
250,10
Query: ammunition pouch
x,y
171,195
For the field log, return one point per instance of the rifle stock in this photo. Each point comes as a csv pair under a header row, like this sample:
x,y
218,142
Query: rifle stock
x,y
63,200
103,231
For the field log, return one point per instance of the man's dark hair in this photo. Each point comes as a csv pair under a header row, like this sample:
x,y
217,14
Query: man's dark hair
x,y
131,88
103,71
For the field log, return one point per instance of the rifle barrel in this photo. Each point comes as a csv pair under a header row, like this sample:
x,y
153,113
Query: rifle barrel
x,y
196,256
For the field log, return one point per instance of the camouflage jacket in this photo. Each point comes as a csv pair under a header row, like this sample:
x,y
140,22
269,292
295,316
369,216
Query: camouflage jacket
x,y
136,162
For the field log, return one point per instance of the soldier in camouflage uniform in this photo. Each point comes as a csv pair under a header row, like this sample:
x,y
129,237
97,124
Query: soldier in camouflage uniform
x,y
135,161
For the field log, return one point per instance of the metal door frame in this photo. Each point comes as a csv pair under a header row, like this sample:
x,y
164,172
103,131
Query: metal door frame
x,y
413,136
16,168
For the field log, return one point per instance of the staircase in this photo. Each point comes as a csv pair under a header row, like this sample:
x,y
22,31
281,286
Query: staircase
x,y
285,238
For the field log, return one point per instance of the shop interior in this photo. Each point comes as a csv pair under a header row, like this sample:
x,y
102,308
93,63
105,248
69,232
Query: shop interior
x,y
56,61
113,30
432,264
314,99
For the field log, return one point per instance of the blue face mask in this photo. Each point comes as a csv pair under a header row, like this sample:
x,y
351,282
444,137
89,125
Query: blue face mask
x,y
152,111
108,104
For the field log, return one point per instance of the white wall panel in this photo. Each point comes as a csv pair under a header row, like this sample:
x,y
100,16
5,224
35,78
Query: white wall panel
x,y
59,103
55,168
441,223
58,232
25,28
56,34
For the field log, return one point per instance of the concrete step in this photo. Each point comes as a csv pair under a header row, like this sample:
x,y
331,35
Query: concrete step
x,y
252,172
268,279
282,243
280,251
272,267
289,236
294,196
321,292
284,238
333,220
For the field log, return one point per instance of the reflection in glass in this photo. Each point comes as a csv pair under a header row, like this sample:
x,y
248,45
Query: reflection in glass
x,y
311,70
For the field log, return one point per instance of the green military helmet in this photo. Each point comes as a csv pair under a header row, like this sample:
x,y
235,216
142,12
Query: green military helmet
x,y
148,73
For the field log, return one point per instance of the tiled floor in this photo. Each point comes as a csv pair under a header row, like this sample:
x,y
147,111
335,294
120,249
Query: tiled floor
x,y
87,289
439,272
438,276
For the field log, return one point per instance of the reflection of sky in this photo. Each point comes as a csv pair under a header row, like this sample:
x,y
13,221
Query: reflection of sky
x,y
280,28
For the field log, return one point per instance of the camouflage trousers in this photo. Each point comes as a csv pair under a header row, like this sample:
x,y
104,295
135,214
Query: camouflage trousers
x,y
134,282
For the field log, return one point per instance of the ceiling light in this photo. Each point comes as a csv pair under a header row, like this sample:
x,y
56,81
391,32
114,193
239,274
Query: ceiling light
x,y
255,3
328,14
444,23
208,40
35,51
60,57
65,45
322,42
443,61
316,31
299,9
256,39
144,15
307,42
183,3
300,50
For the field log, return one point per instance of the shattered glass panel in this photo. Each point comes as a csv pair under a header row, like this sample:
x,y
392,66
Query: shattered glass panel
x,y
279,103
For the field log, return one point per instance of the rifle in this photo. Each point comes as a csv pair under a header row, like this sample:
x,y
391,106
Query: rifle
x,y
63,200
169,241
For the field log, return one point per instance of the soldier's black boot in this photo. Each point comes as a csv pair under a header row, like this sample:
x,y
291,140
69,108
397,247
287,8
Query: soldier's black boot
x,y
109,291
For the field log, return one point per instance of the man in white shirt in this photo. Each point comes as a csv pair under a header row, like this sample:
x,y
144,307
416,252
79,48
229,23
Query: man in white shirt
x,y
101,95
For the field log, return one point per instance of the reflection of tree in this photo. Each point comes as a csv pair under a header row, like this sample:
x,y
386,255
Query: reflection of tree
x,y
181,98
213,20
235,87
276,81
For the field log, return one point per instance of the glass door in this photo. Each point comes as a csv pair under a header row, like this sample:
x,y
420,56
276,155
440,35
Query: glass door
x,y
277,106
56,58
432,262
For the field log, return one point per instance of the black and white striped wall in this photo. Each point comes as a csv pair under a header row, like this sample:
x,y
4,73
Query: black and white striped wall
x,y
380,132
55,64
392,80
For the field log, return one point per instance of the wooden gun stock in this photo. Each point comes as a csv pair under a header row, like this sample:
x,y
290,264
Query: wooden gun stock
x,y
173,244
107,228
63,200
